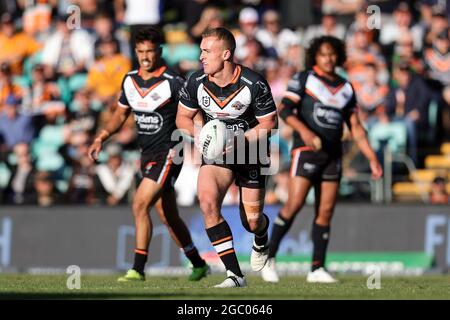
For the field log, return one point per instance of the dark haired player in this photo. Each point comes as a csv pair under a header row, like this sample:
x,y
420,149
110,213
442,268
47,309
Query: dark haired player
x,y
316,105
151,93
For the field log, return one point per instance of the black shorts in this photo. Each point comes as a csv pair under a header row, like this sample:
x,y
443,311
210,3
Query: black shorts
x,y
252,176
316,165
160,168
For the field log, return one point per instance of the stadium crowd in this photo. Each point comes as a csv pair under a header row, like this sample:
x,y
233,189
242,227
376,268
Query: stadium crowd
x,y
60,78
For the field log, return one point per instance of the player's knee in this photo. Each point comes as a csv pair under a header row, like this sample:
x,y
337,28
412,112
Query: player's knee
x,y
291,208
208,204
324,216
140,208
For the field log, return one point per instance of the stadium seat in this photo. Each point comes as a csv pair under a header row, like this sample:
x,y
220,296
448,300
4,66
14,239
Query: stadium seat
x,y
423,175
5,175
46,146
411,191
445,148
392,134
77,81
438,161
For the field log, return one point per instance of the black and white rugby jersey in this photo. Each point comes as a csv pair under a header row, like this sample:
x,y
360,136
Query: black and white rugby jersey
x,y
154,104
238,104
322,105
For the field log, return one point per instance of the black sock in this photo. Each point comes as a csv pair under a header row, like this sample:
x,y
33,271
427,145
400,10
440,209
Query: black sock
x,y
262,237
222,240
320,237
191,253
140,258
280,227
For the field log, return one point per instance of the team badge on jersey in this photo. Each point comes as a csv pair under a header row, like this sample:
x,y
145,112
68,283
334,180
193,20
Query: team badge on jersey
x,y
253,174
206,101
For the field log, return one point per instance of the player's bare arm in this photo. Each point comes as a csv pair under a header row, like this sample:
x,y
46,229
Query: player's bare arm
x,y
262,129
118,119
185,120
360,137
309,137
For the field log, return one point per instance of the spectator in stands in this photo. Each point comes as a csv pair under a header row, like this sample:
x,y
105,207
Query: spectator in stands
x,y
360,53
248,28
137,15
361,23
278,74
82,117
255,58
402,23
404,51
104,29
328,27
437,61
276,40
7,86
407,102
15,127
42,95
46,193
341,7
106,74
68,51
211,17
437,24
114,179
81,184
438,193
371,95
20,186
88,10
15,46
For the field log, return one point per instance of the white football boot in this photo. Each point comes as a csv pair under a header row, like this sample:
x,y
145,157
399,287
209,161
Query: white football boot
x,y
259,256
320,276
232,281
269,272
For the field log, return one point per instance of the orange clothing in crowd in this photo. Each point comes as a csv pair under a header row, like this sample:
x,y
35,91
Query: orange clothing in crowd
x,y
6,90
106,75
16,48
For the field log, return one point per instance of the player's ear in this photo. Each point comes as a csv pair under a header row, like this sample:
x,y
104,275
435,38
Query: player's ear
x,y
226,55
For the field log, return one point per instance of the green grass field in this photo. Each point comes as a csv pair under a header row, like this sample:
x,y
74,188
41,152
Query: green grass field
x,y
23,286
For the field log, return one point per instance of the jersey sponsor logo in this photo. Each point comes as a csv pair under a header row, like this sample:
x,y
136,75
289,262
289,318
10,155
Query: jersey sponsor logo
x,y
222,114
327,117
237,125
149,123
155,96
237,105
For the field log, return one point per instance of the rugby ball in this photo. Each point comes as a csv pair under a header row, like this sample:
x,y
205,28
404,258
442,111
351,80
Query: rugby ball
x,y
213,139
